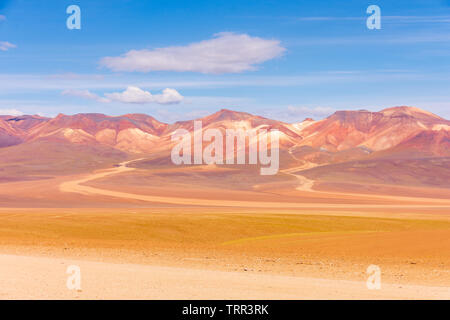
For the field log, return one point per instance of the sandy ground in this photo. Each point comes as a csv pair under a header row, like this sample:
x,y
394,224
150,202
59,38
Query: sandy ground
x,y
212,253
176,241
46,278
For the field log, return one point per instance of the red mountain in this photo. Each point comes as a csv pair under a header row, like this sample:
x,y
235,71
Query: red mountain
x,y
131,132
343,135
373,130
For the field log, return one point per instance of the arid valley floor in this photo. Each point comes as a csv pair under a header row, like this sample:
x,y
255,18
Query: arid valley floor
x,y
253,245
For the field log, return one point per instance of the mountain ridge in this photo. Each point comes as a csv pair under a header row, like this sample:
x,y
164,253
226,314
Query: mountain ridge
x,y
140,133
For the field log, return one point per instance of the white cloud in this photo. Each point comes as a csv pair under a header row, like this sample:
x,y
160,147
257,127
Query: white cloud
x,y
11,112
5,46
130,95
84,94
137,95
226,53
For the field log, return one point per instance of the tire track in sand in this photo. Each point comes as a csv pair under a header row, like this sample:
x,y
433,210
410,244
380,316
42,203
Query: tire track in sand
x,y
78,186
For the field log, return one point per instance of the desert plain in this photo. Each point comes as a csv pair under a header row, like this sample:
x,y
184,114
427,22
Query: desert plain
x,y
250,245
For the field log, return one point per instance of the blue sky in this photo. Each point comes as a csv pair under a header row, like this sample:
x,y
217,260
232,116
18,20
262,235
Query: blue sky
x,y
283,59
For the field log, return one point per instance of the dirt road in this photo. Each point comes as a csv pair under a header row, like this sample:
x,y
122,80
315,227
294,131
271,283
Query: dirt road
x,y
78,186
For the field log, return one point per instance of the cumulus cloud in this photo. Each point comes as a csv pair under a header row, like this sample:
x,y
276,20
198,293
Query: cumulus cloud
x,y
130,95
85,94
5,46
11,112
225,53
137,95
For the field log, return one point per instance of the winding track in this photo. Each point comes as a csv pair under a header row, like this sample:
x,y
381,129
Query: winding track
x,y
78,186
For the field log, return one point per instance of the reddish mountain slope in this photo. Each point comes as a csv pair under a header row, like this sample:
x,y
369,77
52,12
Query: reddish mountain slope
x,y
373,130
345,135
227,119
24,123
9,135
425,143
131,133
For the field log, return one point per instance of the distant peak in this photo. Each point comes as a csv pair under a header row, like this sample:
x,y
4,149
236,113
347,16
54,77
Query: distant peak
x,y
229,114
345,115
409,111
227,111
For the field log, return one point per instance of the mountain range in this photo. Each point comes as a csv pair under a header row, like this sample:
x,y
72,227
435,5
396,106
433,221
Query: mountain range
x,y
395,129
